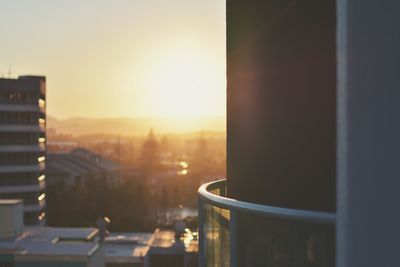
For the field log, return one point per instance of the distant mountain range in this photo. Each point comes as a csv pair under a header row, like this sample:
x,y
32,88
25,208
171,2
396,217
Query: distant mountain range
x,y
134,126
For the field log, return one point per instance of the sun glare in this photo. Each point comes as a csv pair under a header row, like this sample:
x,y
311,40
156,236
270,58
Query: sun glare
x,y
185,85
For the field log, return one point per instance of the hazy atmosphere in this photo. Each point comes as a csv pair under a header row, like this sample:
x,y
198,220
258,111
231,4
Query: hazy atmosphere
x,y
121,58
199,133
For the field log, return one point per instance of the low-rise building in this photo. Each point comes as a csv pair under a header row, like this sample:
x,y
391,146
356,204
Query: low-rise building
x,y
78,165
161,248
127,249
45,246
22,246
170,249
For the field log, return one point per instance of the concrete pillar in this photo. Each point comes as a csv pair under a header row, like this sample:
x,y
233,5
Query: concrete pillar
x,y
281,102
368,215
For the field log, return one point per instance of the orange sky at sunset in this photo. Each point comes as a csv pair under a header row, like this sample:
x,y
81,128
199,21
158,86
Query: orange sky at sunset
x,y
124,58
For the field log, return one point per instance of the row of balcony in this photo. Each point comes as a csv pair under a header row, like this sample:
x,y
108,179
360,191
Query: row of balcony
x,y
41,127
40,167
41,107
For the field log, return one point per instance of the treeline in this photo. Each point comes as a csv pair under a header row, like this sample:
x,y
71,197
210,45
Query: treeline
x,y
126,205
157,188
134,205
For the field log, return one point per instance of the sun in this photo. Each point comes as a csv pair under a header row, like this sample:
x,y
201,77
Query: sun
x,y
187,85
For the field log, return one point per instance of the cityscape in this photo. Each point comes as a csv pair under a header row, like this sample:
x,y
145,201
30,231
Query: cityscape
x,y
199,133
102,168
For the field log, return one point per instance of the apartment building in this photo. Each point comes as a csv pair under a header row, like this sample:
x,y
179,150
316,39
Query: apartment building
x,y
23,144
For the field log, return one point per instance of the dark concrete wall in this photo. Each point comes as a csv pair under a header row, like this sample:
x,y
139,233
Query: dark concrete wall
x,y
281,102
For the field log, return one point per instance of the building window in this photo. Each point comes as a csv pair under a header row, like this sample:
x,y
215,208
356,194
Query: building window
x,y
19,158
19,138
29,118
18,98
20,178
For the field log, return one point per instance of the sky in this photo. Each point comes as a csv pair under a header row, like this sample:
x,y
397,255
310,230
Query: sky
x,y
119,58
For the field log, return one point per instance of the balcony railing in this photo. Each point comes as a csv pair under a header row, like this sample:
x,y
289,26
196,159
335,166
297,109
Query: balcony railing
x,y
237,233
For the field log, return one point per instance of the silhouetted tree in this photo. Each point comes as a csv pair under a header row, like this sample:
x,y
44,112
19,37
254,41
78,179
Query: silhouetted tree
x,y
199,164
150,161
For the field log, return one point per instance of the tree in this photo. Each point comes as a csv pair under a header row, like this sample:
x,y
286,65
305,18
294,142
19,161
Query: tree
x,y
150,161
199,164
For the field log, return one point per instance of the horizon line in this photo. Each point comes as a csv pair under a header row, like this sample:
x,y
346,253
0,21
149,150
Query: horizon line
x,y
138,117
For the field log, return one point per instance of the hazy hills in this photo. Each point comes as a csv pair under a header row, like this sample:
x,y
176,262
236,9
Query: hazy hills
x,y
134,126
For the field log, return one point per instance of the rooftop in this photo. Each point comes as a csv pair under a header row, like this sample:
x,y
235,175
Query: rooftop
x,y
127,247
53,242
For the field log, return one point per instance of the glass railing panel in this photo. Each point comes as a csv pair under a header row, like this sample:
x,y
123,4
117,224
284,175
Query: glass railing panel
x,y
216,227
264,241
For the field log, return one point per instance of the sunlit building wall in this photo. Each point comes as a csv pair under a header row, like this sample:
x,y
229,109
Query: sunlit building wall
x,y
22,144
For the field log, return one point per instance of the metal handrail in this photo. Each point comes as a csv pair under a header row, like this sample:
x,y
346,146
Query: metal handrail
x,y
262,210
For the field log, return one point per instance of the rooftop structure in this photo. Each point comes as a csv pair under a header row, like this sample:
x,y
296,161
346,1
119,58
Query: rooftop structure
x,y
161,248
44,246
168,249
52,246
11,221
127,248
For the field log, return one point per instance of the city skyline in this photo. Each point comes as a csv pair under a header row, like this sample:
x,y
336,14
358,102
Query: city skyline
x,y
131,59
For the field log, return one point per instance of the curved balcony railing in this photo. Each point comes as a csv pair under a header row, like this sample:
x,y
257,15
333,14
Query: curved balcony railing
x,y
237,233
